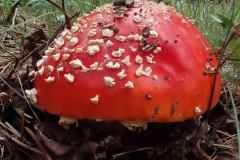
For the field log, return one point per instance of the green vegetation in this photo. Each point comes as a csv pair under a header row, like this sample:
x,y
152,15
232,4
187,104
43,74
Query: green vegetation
x,y
211,17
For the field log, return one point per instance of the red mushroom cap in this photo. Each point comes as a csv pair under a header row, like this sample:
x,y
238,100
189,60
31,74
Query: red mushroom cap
x,y
141,61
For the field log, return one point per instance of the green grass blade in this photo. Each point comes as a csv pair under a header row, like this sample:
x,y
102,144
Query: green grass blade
x,y
236,120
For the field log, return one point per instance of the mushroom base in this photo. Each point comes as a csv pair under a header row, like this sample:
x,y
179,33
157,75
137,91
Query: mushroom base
x,y
112,140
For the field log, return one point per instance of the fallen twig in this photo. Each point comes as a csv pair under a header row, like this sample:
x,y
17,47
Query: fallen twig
x,y
14,90
26,99
30,132
15,140
116,156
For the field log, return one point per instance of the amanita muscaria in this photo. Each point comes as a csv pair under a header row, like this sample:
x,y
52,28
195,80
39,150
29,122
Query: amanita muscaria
x,y
128,62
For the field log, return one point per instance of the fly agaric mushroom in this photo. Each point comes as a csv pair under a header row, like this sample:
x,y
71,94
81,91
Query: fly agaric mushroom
x,y
138,61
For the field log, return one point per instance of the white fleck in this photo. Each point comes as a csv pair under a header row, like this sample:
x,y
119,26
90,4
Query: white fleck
x,y
32,73
73,50
32,94
75,27
108,11
141,26
56,56
209,67
65,56
122,74
119,14
94,24
135,37
41,71
120,38
137,18
85,15
65,122
109,81
92,33
44,57
147,72
79,50
73,41
126,61
150,21
113,65
69,77
108,43
99,16
40,63
155,77
92,50
118,53
106,56
76,63
95,99
68,37
49,79
153,34
96,41
198,110
107,32
150,59
129,84
65,49
139,72
59,42
138,59
84,69
65,32
50,68
82,21
166,18
60,69
100,68
133,49
157,50
48,51
94,66
85,25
